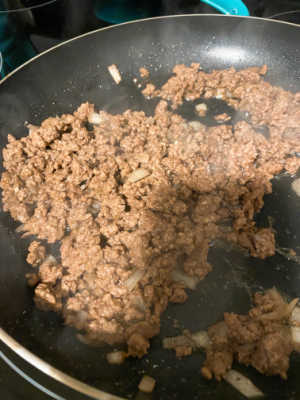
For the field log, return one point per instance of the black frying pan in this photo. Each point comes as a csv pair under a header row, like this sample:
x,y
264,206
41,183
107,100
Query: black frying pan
x,y
60,80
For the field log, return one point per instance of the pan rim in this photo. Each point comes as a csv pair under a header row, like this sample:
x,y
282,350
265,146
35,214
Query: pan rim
x,y
7,339
138,21
284,13
53,372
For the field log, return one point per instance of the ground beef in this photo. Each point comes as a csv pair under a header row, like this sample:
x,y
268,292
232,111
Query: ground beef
x,y
144,73
261,339
36,253
149,90
132,198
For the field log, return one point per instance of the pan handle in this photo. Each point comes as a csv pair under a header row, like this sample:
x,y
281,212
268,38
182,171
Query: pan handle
x,y
229,7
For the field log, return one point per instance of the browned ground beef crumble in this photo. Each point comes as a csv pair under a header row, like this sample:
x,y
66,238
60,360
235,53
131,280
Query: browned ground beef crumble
x,y
136,197
261,339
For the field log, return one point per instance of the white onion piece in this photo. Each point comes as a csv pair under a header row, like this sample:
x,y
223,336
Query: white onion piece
x,y
94,208
196,340
134,279
296,186
282,311
50,259
189,281
295,316
295,330
201,109
291,306
137,175
115,73
242,384
21,228
196,125
32,128
95,118
220,93
173,342
96,205
116,357
147,384
201,339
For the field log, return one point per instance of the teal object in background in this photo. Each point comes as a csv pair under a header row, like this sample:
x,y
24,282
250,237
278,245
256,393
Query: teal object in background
x,y
118,11
229,7
15,46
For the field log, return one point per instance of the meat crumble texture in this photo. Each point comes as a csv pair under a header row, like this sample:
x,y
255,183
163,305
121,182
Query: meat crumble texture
x,y
261,339
135,201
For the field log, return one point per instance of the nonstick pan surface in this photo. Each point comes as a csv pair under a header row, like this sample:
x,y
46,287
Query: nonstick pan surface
x,y
61,79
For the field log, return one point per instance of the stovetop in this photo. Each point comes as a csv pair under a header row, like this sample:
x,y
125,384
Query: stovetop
x,y
49,22
52,23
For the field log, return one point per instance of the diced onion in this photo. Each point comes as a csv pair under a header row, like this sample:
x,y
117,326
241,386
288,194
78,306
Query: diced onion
x,y
295,316
242,384
282,310
115,73
173,342
196,125
116,357
189,281
291,306
50,259
295,328
32,128
196,340
95,118
296,186
147,384
201,109
21,228
137,175
220,93
134,279
94,208
96,205
201,339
